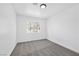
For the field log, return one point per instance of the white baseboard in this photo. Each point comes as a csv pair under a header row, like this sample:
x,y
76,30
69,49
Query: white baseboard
x,y
30,40
11,50
65,46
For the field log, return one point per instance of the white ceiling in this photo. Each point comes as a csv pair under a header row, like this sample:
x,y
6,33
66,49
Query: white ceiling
x,y
29,9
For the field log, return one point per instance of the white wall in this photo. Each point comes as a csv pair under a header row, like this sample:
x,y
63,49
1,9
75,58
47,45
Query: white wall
x,y
63,28
22,35
7,29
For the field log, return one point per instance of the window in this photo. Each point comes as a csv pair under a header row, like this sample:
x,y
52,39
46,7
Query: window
x,y
32,27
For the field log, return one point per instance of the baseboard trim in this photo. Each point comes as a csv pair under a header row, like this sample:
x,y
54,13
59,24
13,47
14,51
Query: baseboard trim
x,y
12,50
29,40
65,46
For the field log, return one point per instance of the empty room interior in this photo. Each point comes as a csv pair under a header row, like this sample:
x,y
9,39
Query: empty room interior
x,y
39,29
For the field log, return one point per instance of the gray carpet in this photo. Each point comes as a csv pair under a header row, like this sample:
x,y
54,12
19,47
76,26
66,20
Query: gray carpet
x,y
41,48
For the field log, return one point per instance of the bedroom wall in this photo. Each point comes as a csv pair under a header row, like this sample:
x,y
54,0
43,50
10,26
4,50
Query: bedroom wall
x,y
22,35
63,28
7,29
